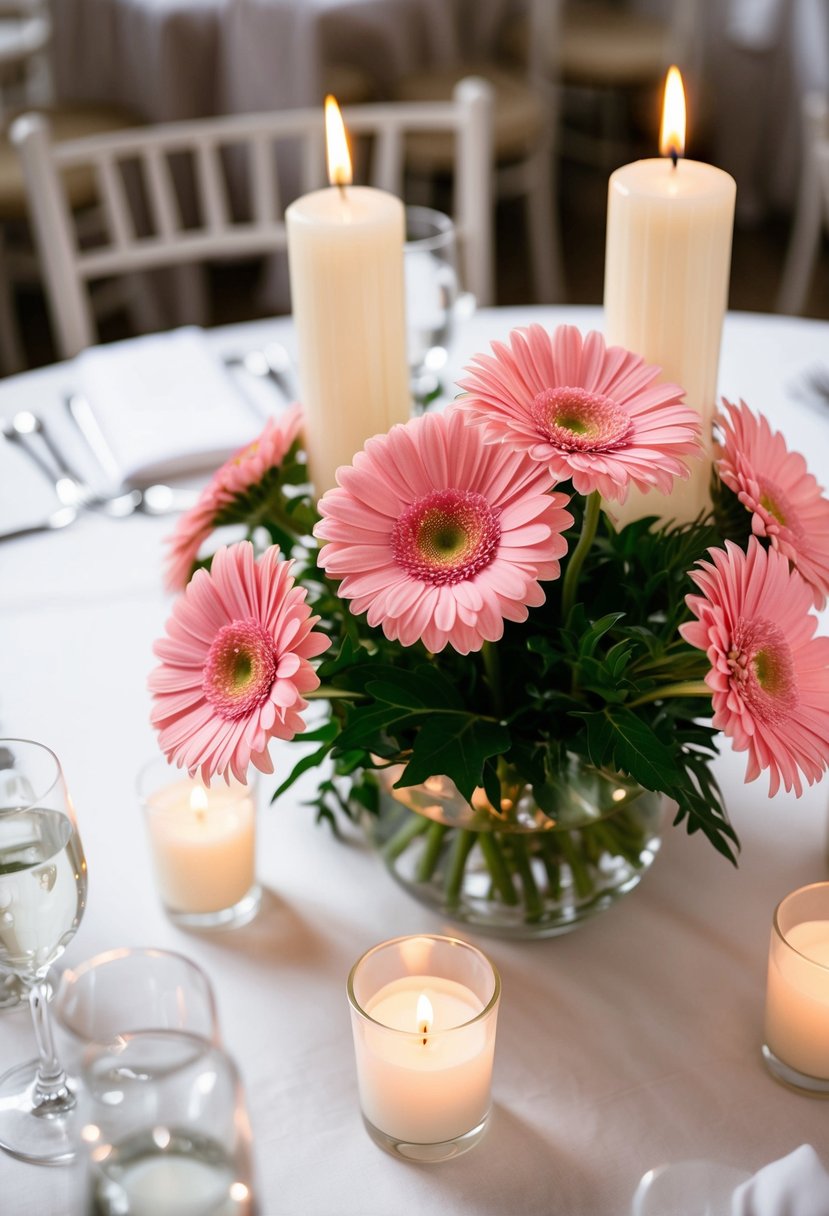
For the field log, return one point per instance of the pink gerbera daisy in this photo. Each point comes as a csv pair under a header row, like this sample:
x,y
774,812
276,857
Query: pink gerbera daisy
x,y
234,664
769,674
588,412
236,477
786,503
439,537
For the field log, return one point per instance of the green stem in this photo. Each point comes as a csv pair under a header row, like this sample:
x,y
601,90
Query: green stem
x,y
581,878
431,852
589,525
462,846
498,868
549,856
521,861
414,826
492,667
690,688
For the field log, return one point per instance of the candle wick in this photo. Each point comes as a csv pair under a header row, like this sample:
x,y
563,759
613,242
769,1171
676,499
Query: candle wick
x,y
341,188
674,157
424,1032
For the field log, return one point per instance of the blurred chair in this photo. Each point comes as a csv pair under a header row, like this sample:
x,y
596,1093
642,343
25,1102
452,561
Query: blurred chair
x,y
811,208
610,55
26,83
525,139
68,268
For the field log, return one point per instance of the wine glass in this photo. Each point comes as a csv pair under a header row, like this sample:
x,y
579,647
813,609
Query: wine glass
x,y
430,262
42,898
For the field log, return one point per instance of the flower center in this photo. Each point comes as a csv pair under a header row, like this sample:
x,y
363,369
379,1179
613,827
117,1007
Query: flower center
x,y
762,668
775,503
240,668
446,537
580,421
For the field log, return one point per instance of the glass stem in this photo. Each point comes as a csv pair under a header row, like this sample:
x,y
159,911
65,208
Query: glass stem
x,y
51,1092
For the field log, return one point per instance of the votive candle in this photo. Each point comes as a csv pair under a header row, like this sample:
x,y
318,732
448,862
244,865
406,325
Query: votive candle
x,y
423,1013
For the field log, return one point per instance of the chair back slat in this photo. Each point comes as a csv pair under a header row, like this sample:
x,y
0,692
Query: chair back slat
x,y
264,183
114,200
387,168
212,187
162,195
314,171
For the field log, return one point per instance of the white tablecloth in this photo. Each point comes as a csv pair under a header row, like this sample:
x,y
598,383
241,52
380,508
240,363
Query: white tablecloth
x,y
628,1043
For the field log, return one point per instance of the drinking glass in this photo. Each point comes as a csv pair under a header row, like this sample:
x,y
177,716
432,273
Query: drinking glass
x,y
430,261
42,898
166,1128
128,990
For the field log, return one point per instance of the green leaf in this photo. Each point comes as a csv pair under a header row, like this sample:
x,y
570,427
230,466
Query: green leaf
x,y
616,737
597,630
327,732
456,746
424,688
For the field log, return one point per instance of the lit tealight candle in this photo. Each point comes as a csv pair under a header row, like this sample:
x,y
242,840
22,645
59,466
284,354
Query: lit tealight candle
x,y
345,254
669,228
797,997
203,842
423,1014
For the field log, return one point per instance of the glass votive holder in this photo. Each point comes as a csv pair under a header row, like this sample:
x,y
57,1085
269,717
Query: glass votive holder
x,y
165,1128
203,844
127,990
423,1015
796,1047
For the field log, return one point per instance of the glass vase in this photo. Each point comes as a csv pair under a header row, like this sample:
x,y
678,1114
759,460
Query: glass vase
x,y
518,871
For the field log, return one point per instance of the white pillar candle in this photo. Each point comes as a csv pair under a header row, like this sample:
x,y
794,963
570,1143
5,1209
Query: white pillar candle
x,y
797,998
424,1041
203,844
345,255
668,256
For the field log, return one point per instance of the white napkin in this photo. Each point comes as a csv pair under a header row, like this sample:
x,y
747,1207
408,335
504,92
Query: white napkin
x,y
797,1185
164,406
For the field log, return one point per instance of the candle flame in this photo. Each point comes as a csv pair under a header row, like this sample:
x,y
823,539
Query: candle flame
x,y
198,800
336,144
425,1015
672,132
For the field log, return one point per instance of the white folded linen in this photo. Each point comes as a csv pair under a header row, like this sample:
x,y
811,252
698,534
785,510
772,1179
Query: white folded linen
x,y
797,1185
164,405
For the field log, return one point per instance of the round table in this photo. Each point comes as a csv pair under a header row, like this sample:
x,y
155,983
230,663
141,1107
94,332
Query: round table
x,y
631,1042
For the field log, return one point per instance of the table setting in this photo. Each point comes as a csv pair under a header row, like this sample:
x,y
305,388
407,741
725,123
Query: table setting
x,y
399,801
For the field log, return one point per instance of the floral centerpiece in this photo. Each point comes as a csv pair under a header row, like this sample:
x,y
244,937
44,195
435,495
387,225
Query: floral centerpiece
x,y
510,682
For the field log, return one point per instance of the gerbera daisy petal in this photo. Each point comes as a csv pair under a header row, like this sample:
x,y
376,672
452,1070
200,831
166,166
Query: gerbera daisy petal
x,y
234,663
787,504
243,470
770,675
585,411
473,529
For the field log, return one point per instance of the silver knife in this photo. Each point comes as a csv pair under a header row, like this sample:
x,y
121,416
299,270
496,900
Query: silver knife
x,y
84,418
